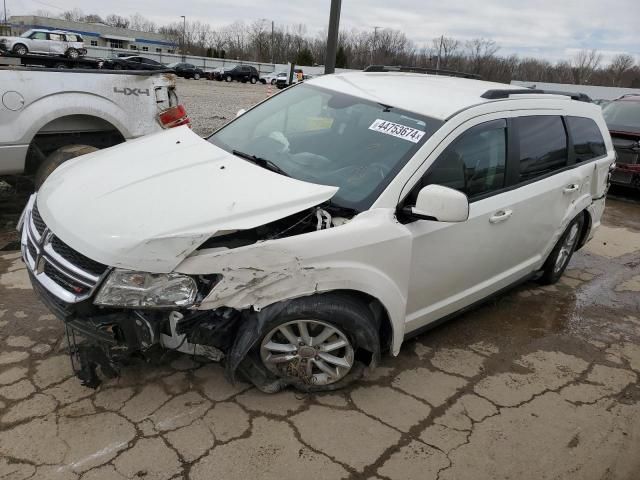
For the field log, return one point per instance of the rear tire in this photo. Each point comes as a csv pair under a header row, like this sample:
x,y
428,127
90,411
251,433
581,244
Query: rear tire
x,y
57,158
273,82
561,254
228,78
196,76
117,66
20,50
73,54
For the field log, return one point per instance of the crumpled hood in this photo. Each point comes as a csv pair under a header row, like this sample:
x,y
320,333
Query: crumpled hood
x,y
148,203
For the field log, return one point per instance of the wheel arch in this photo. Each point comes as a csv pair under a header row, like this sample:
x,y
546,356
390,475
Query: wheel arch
x,y
71,129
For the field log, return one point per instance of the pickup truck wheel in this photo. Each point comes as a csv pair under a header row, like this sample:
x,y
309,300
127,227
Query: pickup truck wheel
x,y
312,343
228,78
254,80
559,258
73,54
57,158
20,50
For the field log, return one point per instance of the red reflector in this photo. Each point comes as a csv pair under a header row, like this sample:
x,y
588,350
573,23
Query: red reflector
x,y
174,117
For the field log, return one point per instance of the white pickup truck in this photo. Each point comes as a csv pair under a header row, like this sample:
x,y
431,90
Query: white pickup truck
x,y
49,116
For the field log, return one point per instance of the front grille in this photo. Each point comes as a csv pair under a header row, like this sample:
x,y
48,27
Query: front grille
x,y
59,269
37,220
69,284
77,258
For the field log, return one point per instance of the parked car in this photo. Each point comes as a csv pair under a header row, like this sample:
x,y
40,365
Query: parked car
x,y
318,229
186,70
623,119
282,81
46,42
50,117
271,77
240,73
133,63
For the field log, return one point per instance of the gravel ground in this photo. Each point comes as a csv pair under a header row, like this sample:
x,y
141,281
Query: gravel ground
x,y
212,104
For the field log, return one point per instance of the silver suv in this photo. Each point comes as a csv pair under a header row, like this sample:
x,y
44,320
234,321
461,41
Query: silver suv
x,y
47,42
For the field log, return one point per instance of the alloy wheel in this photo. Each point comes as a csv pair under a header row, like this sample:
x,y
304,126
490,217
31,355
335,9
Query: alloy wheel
x,y
566,249
310,350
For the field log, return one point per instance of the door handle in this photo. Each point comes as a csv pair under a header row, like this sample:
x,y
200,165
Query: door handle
x,y
571,188
500,216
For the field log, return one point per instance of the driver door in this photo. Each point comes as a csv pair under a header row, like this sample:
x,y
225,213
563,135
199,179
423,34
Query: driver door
x,y
38,42
454,265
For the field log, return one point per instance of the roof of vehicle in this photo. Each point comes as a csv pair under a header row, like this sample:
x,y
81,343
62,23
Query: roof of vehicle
x,y
436,96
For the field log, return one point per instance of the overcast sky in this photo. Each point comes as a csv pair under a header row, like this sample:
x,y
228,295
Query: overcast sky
x,y
552,29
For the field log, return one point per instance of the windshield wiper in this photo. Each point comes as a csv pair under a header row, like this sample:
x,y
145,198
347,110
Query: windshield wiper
x,y
262,162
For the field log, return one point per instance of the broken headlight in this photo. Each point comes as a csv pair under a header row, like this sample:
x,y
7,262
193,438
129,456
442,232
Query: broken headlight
x,y
125,288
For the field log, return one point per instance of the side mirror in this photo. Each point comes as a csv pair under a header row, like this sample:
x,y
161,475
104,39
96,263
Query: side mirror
x,y
442,204
240,112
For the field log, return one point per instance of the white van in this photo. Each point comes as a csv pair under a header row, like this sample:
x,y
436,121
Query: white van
x,y
318,229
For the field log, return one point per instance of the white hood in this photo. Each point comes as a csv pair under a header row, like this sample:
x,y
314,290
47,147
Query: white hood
x,y
148,203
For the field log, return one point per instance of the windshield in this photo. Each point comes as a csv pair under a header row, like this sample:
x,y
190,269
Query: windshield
x,y
622,116
173,65
26,34
325,137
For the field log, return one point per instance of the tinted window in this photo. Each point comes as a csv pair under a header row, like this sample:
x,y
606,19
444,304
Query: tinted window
x,y
587,139
543,145
475,162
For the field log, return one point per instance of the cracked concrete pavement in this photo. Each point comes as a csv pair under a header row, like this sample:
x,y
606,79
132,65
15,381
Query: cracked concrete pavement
x,y
541,382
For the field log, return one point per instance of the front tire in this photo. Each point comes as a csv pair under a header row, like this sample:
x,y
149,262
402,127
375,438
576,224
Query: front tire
x,y
312,343
57,158
196,76
20,50
559,258
273,82
228,78
254,80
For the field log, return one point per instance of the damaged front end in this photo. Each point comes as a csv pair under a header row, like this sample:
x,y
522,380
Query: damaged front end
x,y
114,317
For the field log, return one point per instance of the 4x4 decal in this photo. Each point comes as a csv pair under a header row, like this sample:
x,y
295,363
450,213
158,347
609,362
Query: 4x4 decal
x,y
131,91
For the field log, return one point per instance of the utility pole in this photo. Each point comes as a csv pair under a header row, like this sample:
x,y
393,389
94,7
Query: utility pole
x,y
439,53
375,43
332,38
184,32
272,31
5,11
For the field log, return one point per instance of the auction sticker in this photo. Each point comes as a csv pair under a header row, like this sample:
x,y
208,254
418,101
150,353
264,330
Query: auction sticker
x,y
397,130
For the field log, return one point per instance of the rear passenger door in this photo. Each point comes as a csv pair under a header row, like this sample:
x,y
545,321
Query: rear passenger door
x,y
546,184
57,44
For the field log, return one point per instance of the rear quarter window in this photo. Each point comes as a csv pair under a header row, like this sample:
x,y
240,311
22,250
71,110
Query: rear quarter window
x,y
587,138
543,145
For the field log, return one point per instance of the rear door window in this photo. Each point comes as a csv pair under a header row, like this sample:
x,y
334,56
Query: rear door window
x,y
587,138
71,38
543,146
475,162
55,37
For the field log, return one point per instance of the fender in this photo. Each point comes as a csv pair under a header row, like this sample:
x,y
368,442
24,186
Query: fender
x,y
371,254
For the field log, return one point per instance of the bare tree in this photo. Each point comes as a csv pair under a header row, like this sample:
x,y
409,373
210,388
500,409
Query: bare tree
x,y
142,24
74,15
619,66
584,64
117,21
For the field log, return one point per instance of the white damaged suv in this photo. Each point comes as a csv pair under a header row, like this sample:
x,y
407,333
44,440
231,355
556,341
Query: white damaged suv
x,y
318,229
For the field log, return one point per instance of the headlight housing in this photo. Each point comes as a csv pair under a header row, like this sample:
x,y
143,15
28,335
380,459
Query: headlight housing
x,y
125,288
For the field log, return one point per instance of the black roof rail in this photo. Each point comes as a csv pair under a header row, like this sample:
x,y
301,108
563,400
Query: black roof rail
x,y
432,71
499,93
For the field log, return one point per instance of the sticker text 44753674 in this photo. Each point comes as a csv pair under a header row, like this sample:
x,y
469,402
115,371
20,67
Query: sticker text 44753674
x,y
397,130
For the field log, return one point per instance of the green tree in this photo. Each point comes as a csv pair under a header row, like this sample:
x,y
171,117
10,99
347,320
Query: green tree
x,y
341,58
304,57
